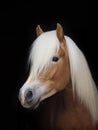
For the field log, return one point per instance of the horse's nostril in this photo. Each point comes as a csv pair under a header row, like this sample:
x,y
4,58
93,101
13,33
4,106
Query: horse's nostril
x,y
29,96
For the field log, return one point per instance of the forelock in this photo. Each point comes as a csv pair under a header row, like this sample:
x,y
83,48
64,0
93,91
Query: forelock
x,y
42,51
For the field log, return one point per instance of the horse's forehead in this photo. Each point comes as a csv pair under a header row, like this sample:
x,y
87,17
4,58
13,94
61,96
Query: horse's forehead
x,y
47,37
47,41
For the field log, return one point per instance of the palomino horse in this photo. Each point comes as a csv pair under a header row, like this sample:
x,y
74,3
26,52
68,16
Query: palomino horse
x,y
59,75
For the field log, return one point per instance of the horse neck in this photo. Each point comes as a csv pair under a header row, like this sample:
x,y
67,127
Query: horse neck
x,y
60,108
58,102
64,98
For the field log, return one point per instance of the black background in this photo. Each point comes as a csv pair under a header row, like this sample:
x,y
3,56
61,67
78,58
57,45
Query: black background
x,y
18,21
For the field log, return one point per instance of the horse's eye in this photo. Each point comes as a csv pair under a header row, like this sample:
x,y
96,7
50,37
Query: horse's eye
x,y
55,59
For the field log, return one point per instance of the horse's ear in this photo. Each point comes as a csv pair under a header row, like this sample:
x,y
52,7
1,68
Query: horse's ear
x,y
60,33
39,31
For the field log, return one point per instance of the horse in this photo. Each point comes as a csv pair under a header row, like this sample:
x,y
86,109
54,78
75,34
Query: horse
x,y
60,81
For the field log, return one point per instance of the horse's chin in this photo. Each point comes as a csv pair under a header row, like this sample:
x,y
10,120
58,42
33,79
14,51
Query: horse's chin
x,y
31,105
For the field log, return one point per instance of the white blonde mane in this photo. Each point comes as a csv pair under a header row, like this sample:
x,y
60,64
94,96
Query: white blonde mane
x,y
82,81
42,51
